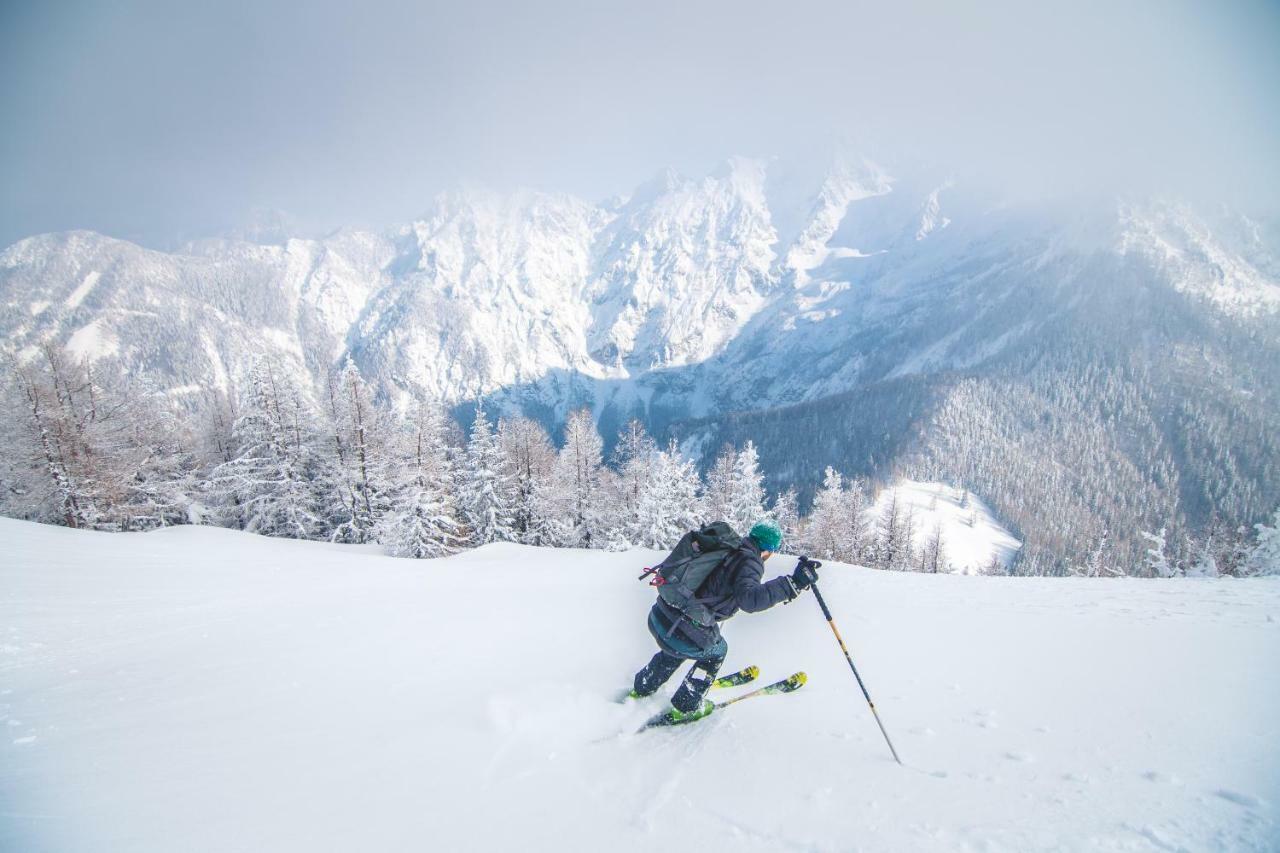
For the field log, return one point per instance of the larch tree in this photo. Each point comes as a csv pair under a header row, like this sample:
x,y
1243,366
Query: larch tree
x,y
857,543
933,556
529,457
56,475
719,500
891,549
362,463
94,449
633,459
577,485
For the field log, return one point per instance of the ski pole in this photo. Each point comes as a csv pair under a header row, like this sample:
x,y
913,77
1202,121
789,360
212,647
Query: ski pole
x,y
872,705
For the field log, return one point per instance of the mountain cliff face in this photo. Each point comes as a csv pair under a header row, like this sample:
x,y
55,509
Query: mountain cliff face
x,y
538,293
745,292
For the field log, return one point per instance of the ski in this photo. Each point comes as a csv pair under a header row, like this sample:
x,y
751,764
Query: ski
x,y
787,685
790,684
737,679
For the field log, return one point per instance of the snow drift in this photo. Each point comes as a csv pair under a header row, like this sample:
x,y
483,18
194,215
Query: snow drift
x,y
201,689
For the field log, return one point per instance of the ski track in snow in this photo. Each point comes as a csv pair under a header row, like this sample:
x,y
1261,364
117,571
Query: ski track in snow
x,y
242,693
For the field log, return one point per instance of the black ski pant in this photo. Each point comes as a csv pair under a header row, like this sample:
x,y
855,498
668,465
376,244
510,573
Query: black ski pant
x,y
696,683
675,649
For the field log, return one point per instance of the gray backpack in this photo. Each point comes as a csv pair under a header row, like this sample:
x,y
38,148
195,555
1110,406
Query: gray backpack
x,y
698,554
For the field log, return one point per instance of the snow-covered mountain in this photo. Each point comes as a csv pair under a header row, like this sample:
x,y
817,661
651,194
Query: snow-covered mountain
x,y
750,290
490,293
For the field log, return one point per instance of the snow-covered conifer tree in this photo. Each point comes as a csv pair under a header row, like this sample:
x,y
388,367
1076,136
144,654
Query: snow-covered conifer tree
x,y
272,483
669,503
425,520
487,491
1157,559
160,476
747,491
1096,566
827,530
1264,558
786,512
1205,563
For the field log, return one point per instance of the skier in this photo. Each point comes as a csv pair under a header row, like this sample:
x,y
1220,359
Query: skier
x,y
733,584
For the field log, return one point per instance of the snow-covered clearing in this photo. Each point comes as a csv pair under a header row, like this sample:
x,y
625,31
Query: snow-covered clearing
x,y
93,341
971,535
199,689
83,289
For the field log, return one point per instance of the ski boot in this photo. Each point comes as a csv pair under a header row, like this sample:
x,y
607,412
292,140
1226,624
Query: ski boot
x,y
676,717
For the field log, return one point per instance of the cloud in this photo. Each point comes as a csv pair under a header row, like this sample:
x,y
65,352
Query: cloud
x,y
149,121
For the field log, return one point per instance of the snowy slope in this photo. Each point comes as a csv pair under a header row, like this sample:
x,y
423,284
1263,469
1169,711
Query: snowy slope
x,y
971,535
201,689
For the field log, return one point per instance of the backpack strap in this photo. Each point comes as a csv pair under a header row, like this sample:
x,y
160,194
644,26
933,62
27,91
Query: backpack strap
x,y
656,571
730,565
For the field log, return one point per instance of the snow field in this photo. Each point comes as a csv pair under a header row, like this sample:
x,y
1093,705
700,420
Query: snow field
x,y
971,535
202,689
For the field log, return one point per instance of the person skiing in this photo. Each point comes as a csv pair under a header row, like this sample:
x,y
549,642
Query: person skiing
x,y
684,621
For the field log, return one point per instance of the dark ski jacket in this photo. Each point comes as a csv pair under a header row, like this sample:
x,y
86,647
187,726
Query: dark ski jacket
x,y
734,585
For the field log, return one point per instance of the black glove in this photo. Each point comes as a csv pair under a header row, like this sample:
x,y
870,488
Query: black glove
x,y
806,573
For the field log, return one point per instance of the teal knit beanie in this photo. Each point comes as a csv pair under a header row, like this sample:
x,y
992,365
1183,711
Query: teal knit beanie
x,y
767,536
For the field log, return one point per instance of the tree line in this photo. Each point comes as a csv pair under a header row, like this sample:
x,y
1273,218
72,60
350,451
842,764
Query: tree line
x,y
90,449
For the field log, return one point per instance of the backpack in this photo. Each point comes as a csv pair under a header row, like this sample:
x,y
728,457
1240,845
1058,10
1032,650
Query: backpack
x,y
698,554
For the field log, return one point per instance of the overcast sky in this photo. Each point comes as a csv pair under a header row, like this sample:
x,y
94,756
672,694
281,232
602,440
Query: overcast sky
x,y
155,121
